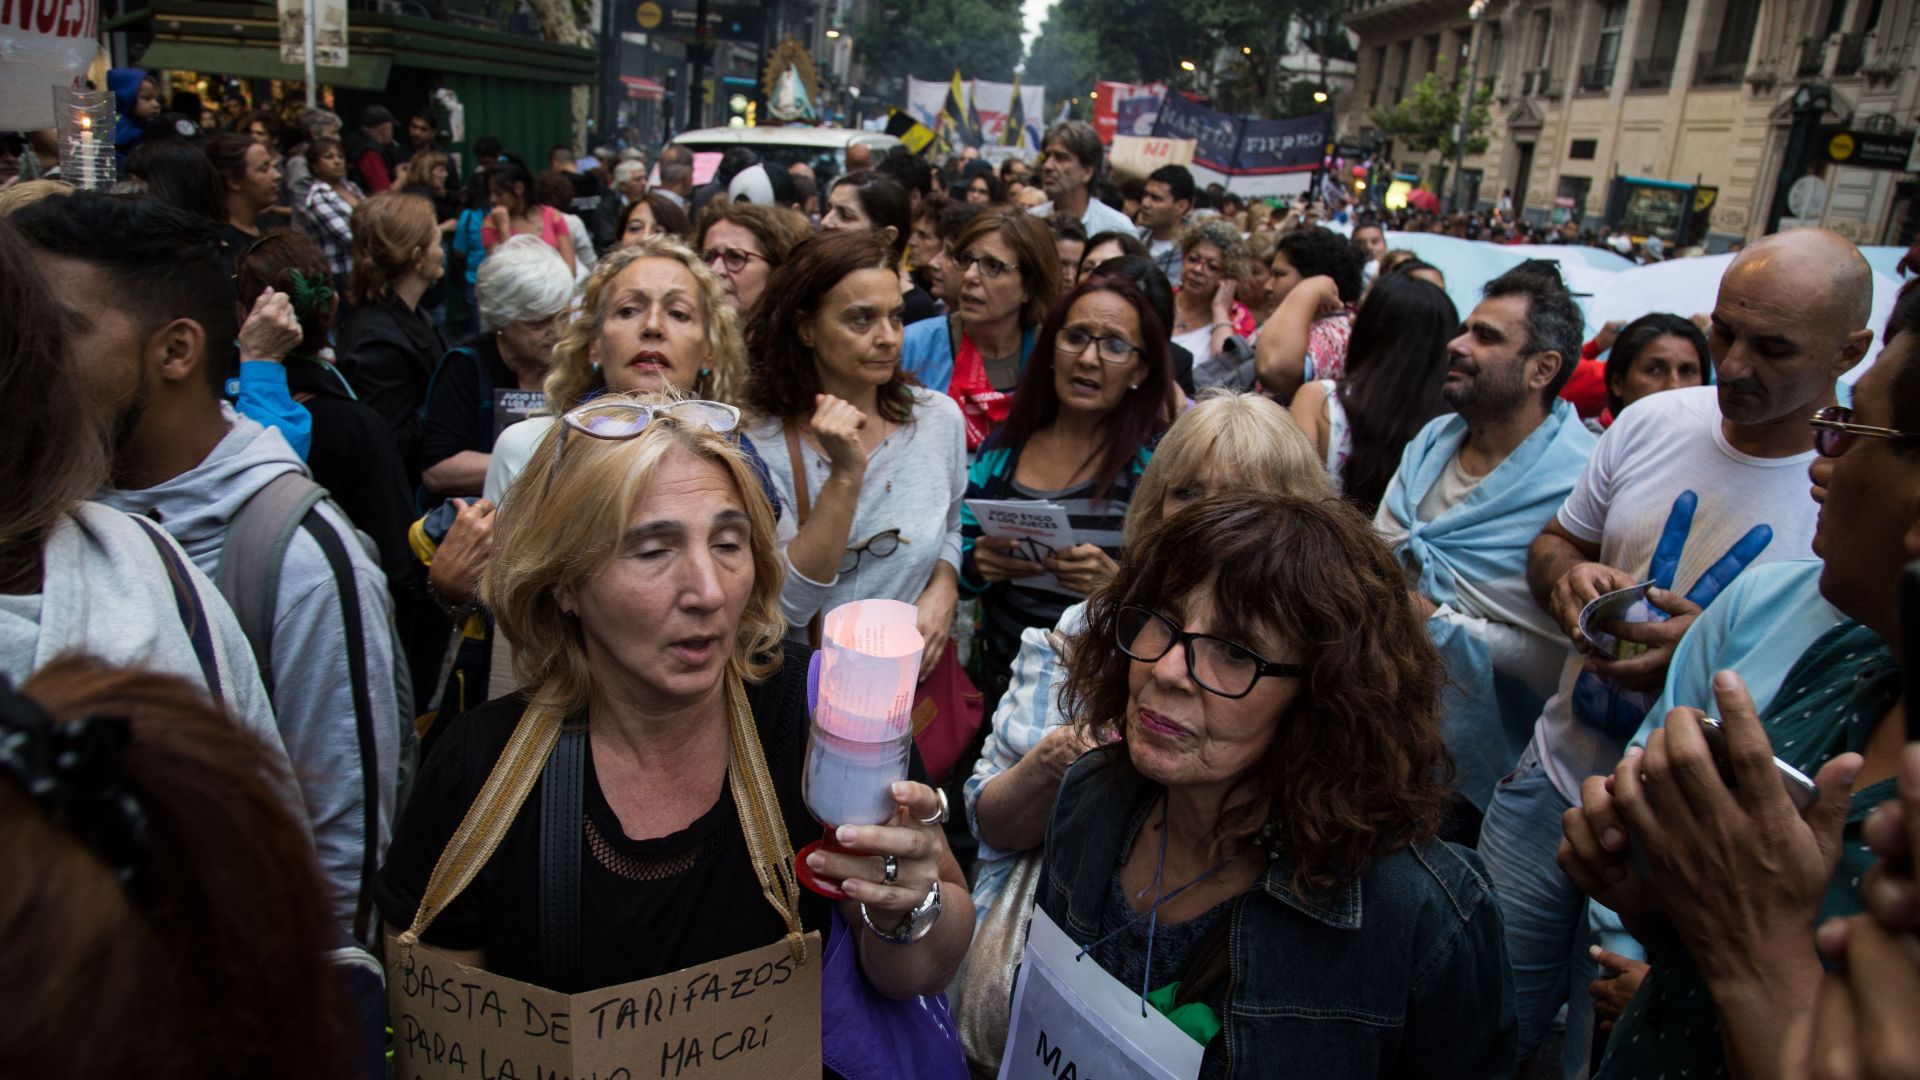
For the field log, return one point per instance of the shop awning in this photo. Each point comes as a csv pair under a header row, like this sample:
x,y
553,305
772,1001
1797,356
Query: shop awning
x,y
365,71
643,89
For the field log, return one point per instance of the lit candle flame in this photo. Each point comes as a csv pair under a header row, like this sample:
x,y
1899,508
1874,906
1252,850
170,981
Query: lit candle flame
x,y
86,122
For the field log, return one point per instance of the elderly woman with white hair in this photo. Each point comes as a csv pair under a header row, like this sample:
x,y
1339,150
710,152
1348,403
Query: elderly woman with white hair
x,y
524,291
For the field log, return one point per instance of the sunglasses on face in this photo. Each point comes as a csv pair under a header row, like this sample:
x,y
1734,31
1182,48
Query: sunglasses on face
x,y
1834,431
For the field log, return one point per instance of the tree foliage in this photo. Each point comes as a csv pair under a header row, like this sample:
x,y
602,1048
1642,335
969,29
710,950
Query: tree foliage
x,y
928,39
1145,41
1064,59
1427,118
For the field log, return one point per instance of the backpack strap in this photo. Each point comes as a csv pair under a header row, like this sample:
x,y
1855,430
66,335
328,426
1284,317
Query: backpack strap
x,y
348,585
256,547
186,598
562,795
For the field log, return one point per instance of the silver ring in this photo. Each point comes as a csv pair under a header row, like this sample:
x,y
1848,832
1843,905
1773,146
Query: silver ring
x,y
892,873
941,817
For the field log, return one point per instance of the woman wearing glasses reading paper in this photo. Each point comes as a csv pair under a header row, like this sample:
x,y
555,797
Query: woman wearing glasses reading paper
x,y
1093,402
1273,787
636,574
873,466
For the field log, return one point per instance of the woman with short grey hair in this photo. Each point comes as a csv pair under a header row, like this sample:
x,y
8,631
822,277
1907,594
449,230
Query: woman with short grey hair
x,y
525,291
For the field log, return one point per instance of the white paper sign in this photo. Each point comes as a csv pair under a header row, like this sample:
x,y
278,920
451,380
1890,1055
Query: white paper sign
x,y
1071,1018
1038,529
329,32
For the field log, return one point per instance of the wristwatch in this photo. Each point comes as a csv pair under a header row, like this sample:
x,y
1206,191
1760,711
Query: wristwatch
x,y
918,923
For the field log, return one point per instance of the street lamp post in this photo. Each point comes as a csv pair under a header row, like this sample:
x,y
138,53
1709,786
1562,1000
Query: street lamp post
x,y
1474,11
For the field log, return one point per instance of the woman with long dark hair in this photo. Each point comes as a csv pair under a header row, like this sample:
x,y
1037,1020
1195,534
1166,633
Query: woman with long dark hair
x,y
517,212
1653,353
872,466
1396,361
876,203
1093,401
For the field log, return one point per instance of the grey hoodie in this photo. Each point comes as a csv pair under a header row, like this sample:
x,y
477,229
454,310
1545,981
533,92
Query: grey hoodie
x,y
312,691
106,593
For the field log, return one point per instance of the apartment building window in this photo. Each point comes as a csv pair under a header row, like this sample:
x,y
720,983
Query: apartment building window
x,y
1493,44
1655,70
1539,78
1582,149
1598,76
1379,74
1433,53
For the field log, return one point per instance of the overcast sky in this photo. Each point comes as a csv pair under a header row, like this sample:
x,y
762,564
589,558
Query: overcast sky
x,y
1035,12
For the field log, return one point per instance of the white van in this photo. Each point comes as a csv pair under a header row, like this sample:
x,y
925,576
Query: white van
x,y
821,147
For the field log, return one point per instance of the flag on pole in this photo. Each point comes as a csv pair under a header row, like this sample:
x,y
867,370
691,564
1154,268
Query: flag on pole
x,y
953,114
975,130
1013,132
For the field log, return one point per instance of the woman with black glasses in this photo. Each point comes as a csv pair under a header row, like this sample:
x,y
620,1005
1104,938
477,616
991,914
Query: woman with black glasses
x,y
1090,407
873,466
1269,782
1007,276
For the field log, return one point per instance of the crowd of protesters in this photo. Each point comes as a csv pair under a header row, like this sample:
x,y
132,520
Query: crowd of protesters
x,y
342,467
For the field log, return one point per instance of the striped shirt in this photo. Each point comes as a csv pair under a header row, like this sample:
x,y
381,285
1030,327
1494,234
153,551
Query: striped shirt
x,y
1008,606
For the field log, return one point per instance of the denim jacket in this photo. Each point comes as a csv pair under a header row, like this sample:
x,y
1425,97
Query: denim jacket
x,y
1402,973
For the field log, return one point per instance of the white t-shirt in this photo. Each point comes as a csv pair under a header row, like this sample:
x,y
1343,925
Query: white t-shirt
x,y
1667,444
510,454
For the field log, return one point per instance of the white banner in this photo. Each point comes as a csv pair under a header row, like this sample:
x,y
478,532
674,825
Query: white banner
x,y
329,32
924,99
991,100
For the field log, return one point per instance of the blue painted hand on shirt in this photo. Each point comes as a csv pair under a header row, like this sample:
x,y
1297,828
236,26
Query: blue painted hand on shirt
x,y
1614,695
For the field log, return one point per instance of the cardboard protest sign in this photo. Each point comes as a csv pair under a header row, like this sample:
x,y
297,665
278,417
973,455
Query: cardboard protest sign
x,y
1142,155
755,1015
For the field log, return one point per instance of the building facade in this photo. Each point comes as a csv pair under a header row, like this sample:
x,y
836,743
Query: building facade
x,y
1691,92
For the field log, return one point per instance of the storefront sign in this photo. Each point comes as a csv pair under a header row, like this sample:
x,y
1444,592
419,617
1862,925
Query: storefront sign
x,y
1869,149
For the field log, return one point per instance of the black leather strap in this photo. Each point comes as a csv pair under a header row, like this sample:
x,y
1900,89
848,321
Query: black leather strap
x,y
349,590
563,785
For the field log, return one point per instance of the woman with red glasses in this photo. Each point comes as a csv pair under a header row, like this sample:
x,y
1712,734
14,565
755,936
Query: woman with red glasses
x,y
743,245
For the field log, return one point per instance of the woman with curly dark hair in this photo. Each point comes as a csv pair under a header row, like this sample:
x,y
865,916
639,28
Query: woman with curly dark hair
x,y
1316,282
873,466
1272,784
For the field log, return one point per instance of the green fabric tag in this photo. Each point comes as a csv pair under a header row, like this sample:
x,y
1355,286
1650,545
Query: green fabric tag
x,y
1196,1018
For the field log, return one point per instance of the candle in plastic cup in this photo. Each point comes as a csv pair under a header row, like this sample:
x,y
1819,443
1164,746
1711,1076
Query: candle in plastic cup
x,y
863,719
848,782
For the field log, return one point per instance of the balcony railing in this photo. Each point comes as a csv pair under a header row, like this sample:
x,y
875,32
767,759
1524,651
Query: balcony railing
x,y
1652,73
1853,53
1713,70
1596,78
1813,57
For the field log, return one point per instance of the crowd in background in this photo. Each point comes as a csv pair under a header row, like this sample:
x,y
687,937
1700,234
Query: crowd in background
x,y
344,462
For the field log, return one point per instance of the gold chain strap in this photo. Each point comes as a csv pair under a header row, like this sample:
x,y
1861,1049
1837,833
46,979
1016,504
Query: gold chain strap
x,y
761,820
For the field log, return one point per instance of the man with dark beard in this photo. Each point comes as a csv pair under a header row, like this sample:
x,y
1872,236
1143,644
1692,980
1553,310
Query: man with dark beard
x,y
1683,491
1472,491
152,316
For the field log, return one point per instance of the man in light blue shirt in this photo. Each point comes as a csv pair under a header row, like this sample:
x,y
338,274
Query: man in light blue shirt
x,y
1070,162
